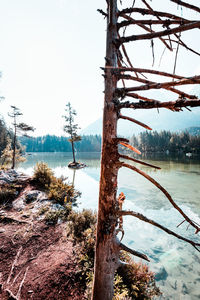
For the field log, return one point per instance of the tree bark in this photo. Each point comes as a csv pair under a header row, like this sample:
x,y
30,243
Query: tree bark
x,y
14,144
107,246
73,152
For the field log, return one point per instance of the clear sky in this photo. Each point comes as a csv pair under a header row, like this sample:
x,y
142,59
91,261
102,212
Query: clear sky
x,y
51,52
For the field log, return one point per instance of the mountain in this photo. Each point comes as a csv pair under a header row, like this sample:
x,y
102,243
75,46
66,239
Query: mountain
x,y
194,130
162,119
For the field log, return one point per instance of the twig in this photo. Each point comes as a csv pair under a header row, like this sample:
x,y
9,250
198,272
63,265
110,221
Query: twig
x,y
147,220
102,13
176,55
163,190
21,284
133,252
185,46
13,265
147,29
193,7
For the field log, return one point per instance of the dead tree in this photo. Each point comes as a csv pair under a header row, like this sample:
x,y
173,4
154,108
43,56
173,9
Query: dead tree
x,y
117,71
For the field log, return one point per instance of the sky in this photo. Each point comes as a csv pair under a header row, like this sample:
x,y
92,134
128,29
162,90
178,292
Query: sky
x,y
51,53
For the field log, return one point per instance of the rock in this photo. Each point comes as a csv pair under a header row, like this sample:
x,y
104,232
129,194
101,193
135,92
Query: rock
x,y
161,274
57,207
12,176
32,196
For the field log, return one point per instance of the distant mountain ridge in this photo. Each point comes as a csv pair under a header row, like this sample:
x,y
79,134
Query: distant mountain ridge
x,y
162,119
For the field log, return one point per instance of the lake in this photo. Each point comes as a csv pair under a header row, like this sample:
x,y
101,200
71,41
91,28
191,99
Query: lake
x,y
177,264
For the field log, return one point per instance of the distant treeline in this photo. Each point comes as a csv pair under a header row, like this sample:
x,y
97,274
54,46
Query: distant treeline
x,y
148,141
52,143
163,141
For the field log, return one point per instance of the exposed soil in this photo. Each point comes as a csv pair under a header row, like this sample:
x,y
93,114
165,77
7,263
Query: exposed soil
x,y
37,261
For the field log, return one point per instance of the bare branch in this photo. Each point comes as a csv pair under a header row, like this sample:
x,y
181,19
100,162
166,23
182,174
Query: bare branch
x,y
135,121
185,46
165,23
141,70
149,30
158,85
155,13
138,161
153,35
147,220
136,96
163,190
133,252
174,105
186,5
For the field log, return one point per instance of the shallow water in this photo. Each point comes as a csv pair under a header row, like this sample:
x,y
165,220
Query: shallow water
x,y
176,264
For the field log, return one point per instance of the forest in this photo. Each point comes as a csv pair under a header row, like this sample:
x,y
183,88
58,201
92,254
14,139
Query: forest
x,y
148,141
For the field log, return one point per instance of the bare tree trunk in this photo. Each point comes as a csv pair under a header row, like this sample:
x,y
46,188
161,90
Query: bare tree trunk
x,y
73,152
107,247
14,144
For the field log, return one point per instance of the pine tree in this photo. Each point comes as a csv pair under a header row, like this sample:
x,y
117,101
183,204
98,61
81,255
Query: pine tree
x,y
71,128
18,129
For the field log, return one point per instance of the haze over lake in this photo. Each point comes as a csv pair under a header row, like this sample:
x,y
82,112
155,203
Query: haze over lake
x,y
175,262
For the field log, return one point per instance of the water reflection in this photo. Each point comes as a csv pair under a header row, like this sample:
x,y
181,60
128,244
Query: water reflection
x,y
176,263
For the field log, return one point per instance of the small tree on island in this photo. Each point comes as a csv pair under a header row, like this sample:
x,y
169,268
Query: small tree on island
x,y
71,128
18,128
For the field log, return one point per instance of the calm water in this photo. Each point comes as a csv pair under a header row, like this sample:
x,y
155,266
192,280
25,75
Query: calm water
x,y
176,264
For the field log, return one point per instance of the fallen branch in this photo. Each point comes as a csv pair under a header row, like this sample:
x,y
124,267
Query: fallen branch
x,y
163,190
13,265
147,220
21,284
133,252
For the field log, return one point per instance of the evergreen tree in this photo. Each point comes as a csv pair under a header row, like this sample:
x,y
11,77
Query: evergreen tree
x,y
18,128
71,128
